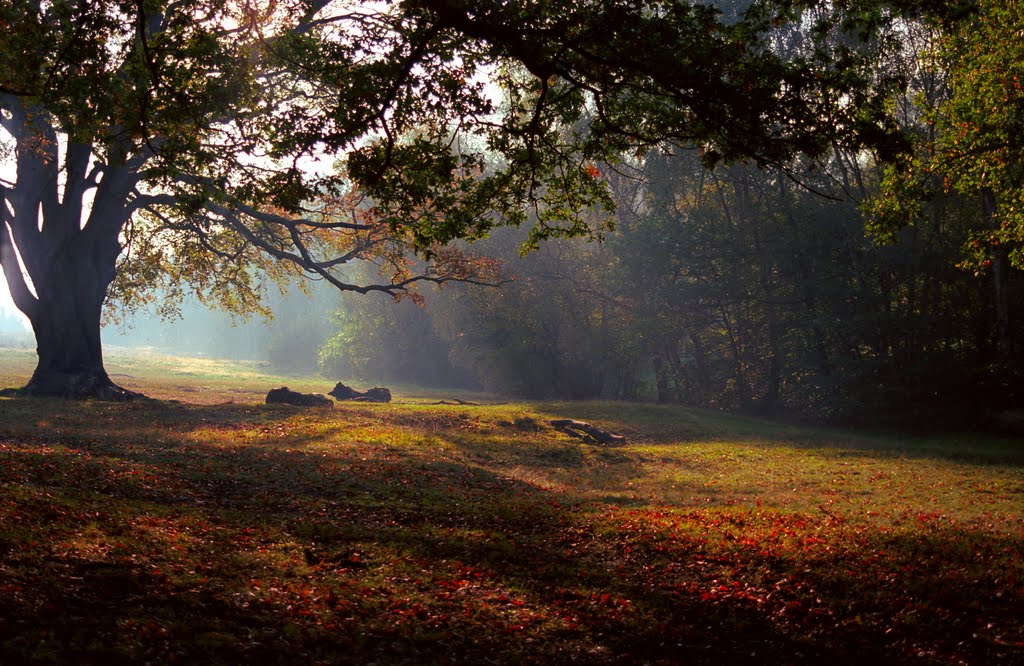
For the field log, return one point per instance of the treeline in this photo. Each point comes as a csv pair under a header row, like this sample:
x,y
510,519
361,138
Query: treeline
x,y
760,288
739,288
755,288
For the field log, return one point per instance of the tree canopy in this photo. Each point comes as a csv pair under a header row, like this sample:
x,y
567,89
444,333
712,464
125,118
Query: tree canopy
x,y
964,141
166,142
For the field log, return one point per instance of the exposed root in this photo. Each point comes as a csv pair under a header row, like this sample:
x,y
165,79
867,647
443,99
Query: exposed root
x,y
74,386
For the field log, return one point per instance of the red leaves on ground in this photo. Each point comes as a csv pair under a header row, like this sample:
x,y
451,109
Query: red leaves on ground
x,y
272,540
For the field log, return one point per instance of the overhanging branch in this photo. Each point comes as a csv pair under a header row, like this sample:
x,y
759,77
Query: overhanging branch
x,y
303,257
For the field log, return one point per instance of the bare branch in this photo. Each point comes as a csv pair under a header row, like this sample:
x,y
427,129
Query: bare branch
x,y
292,223
303,257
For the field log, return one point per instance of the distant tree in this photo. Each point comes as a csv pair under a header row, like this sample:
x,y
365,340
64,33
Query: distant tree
x,y
164,143
372,340
554,331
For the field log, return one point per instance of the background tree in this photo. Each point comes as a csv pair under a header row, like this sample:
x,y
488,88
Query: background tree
x,y
374,340
737,289
962,183
558,330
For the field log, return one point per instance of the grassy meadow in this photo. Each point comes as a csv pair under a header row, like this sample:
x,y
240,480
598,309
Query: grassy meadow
x,y
206,527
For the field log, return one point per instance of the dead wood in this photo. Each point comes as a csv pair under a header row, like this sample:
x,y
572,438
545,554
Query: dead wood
x,y
376,394
286,396
590,434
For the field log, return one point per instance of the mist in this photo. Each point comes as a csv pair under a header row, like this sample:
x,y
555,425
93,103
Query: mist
x,y
15,331
350,337
735,290
287,343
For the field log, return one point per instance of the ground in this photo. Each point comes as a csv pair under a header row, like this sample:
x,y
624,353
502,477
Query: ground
x,y
205,527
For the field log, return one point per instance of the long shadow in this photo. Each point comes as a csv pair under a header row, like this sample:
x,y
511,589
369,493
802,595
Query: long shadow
x,y
662,424
402,554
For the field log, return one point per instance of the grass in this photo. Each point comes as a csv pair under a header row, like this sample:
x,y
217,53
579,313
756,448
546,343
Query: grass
x,y
206,527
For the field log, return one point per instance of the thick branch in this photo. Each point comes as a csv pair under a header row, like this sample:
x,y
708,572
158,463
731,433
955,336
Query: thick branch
x,y
230,217
110,211
76,180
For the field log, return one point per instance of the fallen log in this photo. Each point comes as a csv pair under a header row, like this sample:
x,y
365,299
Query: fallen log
x,y
285,396
376,394
590,434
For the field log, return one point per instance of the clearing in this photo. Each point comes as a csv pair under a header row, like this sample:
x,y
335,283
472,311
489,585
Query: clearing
x,y
205,527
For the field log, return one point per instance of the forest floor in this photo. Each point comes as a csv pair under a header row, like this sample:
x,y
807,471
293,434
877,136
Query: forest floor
x,y
205,527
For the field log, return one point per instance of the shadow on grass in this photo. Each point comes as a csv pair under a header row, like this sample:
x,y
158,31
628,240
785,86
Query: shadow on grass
x,y
658,424
153,535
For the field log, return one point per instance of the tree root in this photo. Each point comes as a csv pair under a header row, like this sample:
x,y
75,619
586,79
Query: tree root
x,y
74,386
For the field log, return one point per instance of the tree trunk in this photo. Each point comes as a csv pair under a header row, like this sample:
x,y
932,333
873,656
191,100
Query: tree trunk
x,y
702,369
66,323
683,389
69,250
70,267
1000,281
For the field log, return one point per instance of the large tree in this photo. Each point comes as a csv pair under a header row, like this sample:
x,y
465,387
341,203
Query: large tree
x,y
967,143
174,141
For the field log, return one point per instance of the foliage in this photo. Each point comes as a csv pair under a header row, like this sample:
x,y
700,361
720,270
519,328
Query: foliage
x,y
553,331
549,331
740,288
375,340
411,533
980,125
968,142
735,289
217,109
166,144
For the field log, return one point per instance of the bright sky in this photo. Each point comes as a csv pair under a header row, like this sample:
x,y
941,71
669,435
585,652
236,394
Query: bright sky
x,y
6,304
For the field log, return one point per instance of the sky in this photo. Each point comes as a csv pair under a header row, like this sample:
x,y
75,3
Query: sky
x,y
7,308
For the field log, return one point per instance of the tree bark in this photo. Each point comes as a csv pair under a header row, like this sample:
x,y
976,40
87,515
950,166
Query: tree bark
x,y
69,252
66,321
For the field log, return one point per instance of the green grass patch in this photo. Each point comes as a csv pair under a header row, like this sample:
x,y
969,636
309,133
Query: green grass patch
x,y
220,530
